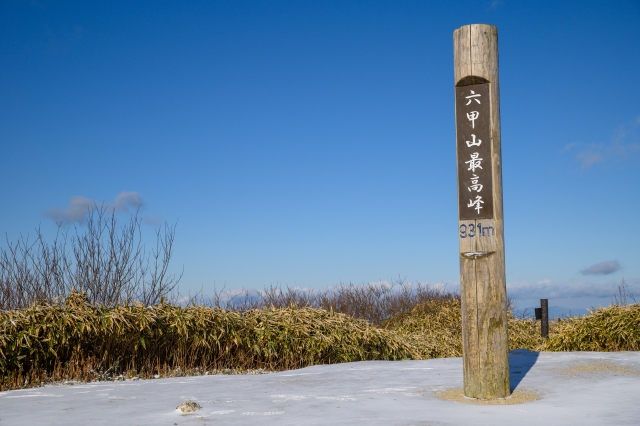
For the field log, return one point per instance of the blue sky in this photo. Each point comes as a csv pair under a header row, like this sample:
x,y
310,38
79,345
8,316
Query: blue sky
x,y
312,143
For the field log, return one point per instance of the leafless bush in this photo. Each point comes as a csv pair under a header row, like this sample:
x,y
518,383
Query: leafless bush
x,y
108,262
623,297
374,302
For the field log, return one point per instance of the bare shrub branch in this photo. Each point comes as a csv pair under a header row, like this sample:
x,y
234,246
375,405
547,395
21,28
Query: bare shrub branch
x,y
106,260
623,295
374,302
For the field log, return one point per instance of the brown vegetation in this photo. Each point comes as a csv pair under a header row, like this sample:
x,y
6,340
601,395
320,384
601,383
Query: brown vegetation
x,y
615,328
374,302
76,340
119,323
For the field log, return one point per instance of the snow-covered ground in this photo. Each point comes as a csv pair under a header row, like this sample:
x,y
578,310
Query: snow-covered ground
x,y
581,388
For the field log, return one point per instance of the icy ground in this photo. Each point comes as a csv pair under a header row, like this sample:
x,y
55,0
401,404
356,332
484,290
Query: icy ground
x,y
577,388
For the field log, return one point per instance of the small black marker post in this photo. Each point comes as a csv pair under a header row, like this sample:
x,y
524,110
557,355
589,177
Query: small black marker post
x,y
542,313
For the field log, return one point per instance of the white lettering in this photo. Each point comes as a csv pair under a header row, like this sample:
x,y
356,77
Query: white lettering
x,y
476,204
473,97
474,163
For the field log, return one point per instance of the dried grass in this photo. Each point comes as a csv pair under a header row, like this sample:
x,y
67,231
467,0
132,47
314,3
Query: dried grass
x,y
76,340
80,341
615,328
434,330
50,332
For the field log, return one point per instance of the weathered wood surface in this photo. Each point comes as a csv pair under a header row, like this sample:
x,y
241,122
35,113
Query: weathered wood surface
x,y
482,263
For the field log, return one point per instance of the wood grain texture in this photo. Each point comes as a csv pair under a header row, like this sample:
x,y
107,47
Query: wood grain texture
x,y
461,53
482,279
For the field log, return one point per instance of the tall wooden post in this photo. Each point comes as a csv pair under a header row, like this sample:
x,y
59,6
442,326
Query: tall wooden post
x,y
480,226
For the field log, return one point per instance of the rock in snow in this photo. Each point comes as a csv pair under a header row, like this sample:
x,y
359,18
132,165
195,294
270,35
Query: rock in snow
x,y
188,407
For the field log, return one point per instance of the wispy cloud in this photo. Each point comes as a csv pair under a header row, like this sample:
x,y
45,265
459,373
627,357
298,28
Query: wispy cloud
x,y
127,200
624,145
547,289
590,156
602,268
76,211
79,207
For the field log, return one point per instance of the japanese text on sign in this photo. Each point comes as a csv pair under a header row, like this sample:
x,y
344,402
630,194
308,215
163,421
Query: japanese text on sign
x,y
473,134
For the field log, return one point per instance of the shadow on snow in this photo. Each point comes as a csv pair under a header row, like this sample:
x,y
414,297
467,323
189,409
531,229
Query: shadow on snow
x,y
520,362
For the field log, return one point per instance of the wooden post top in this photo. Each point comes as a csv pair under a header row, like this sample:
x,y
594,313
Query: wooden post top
x,y
480,65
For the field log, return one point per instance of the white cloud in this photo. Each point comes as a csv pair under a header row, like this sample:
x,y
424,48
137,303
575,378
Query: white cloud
x,y
79,207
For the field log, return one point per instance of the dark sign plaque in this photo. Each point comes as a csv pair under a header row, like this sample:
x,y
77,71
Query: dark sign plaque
x,y
473,134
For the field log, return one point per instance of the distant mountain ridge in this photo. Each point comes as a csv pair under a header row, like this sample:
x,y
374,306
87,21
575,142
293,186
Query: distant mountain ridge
x,y
554,312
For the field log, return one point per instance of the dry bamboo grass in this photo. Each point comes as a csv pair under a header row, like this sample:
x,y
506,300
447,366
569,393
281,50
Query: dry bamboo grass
x,y
615,328
79,339
524,333
434,330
